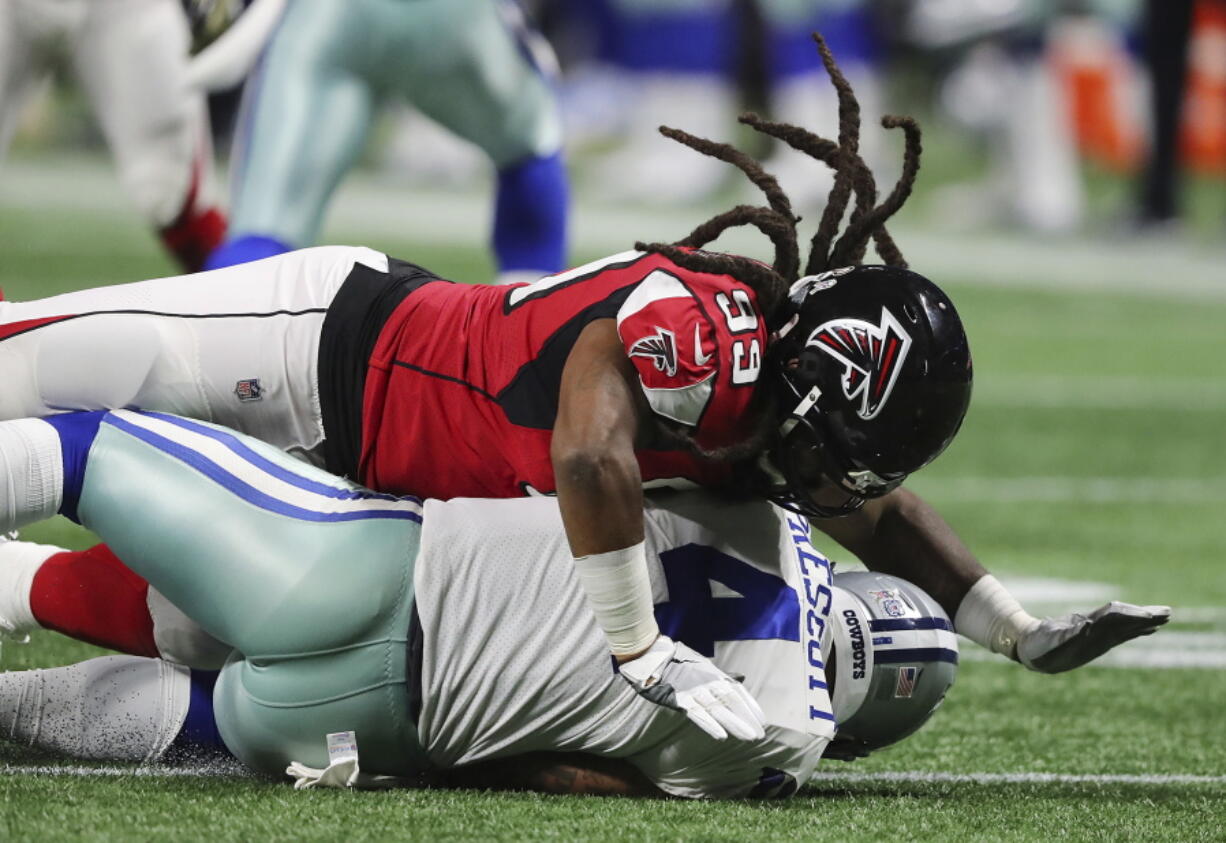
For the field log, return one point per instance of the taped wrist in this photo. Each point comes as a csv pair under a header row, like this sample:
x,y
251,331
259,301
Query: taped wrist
x,y
618,589
990,616
30,461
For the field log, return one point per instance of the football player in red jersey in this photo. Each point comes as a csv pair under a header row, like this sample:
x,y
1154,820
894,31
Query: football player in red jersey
x,y
821,392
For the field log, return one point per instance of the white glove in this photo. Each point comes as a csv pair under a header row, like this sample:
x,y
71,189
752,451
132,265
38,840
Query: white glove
x,y
674,676
1059,644
340,773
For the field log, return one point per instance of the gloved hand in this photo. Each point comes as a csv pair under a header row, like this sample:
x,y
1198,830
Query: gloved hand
x,y
1059,644
674,676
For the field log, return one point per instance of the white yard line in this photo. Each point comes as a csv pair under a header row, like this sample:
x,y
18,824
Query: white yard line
x,y
850,778
213,770
1064,489
1167,649
1015,778
1100,392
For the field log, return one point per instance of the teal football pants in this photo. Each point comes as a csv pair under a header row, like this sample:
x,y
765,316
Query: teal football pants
x,y
307,576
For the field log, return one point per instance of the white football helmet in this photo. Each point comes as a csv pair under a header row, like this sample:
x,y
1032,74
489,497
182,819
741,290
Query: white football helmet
x,y
893,656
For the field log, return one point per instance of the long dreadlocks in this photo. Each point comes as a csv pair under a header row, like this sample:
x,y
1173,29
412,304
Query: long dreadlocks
x,y
777,220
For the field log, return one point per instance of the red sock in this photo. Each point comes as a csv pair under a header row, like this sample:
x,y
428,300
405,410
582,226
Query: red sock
x,y
92,596
196,232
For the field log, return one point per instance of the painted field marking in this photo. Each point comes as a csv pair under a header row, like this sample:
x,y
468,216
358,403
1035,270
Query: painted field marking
x,y
918,777
904,777
219,770
1100,392
1167,649
1064,489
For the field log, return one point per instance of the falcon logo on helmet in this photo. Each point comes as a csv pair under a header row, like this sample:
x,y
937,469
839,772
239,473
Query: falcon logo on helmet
x,y
872,354
660,348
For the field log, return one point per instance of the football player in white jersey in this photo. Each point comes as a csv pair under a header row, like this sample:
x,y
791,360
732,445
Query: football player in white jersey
x,y
447,634
130,58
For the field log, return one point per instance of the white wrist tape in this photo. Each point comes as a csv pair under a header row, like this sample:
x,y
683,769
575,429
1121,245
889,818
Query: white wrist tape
x,y
30,459
619,591
991,617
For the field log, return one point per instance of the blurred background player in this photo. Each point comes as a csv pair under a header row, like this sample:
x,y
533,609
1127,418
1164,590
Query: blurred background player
x,y
697,63
474,66
130,59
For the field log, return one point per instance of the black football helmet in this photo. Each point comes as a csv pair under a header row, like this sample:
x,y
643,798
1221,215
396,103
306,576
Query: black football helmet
x,y
874,377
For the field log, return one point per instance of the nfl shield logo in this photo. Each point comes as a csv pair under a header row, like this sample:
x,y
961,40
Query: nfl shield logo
x,y
890,602
249,390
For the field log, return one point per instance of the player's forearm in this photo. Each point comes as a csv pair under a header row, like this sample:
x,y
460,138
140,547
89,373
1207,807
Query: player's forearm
x,y
595,469
599,487
602,512
600,495
903,535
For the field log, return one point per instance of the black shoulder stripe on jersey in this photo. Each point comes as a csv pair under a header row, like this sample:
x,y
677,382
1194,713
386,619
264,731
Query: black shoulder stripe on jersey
x,y
531,397
507,306
352,324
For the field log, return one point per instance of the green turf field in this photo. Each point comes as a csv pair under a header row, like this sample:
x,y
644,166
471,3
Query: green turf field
x,y
1091,466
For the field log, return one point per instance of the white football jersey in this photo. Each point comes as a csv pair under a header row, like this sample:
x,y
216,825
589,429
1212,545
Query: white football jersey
x,y
514,662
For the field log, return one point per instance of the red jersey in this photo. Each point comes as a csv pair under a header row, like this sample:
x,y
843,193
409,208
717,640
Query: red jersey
x,y
462,385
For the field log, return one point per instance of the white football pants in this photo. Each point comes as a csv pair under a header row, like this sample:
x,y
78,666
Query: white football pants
x,y
237,346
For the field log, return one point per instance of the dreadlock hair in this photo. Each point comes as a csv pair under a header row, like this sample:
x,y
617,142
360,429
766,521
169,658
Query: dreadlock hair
x,y
777,220
827,250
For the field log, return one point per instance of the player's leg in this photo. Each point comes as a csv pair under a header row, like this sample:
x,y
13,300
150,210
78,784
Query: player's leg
x,y
131,58
237,346
309,576
306,115
229,528
91,596
479,70
114,708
